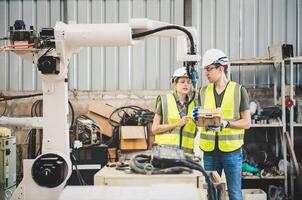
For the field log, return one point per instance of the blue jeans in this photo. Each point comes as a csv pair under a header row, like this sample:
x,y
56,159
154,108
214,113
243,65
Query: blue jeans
x,y
232,165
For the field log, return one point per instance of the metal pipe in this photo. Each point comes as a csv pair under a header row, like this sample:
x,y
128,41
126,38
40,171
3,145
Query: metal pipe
x,y
29,122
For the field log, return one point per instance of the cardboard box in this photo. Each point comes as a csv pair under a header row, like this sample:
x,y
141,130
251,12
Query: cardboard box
x,y
208,117
253,194
133,137
100,113
106,128
104,110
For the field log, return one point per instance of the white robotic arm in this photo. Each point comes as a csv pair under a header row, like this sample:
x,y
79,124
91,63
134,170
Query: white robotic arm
x,y
46,175
70,37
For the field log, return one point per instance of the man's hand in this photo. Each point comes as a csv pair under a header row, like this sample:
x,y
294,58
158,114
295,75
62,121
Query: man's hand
x,y
215,128
225,124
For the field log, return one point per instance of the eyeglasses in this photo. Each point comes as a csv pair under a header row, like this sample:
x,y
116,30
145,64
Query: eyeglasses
x,y
208,69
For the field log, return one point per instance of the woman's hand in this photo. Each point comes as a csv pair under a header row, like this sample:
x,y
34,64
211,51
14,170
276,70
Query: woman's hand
x,y
183,120
157,127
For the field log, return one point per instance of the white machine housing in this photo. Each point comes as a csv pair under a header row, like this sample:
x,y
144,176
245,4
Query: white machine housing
x,y
68,39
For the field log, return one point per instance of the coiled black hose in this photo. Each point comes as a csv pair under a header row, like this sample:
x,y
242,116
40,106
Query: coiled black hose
x,y
142,164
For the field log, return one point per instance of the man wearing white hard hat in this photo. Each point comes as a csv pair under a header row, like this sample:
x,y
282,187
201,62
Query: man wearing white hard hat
x,y
171,123
222,146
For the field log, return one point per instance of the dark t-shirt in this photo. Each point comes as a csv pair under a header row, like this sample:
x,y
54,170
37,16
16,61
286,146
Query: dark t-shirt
x,y
244,102
244,105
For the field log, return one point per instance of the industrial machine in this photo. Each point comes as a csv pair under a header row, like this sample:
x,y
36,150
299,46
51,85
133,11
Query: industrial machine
x,y
51,50
7,163
87,131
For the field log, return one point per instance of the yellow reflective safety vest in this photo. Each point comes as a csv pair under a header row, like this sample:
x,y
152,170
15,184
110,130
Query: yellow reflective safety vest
x,y
229,139
170,114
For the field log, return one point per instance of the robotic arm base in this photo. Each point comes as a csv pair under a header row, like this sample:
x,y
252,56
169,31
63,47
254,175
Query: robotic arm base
x,y
28,189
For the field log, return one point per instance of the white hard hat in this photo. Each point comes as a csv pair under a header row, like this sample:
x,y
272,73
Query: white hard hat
x,y
214,56
180,72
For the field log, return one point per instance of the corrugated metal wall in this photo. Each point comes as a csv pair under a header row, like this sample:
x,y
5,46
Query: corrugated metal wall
x,y
245,29
242,28
144,66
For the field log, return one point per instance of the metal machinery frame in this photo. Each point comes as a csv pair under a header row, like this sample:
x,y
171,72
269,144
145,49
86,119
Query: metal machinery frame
x,y
273,63
46,175
292,61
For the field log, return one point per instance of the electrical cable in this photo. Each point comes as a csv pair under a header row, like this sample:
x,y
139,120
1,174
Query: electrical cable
x,y
190,65
19,168
38,108
142,34
72,114
36,111
79,175
142,164
31,147
192,98
6,98
40,148
211,188
129,115
114,140
5,108
48,50
44,42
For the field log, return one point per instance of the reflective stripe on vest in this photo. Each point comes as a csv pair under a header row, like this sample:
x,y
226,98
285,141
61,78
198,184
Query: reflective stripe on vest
x,y
229,139
170,114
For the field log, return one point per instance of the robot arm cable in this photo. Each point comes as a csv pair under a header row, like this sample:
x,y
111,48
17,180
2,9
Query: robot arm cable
x,y
190,66
142,34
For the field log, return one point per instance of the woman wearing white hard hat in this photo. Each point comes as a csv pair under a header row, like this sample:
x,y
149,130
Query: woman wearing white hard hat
x,y
171,123
222,145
